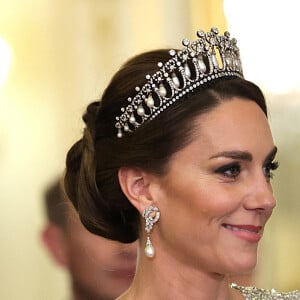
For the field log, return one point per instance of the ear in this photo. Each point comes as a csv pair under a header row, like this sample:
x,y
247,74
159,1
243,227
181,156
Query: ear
x,y
136,185
53,238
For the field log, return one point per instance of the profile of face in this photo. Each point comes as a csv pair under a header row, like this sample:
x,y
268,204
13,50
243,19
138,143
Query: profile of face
x,y
216,195
99,268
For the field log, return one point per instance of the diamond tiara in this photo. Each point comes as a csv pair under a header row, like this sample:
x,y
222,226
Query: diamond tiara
x,y
209,57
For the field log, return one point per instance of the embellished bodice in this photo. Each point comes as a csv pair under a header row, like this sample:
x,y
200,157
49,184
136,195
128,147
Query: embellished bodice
x,y
253,293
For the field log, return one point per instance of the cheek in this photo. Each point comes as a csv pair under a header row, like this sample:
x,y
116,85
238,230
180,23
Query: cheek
x,y
186,206
205,204
211,206
223,197
192,200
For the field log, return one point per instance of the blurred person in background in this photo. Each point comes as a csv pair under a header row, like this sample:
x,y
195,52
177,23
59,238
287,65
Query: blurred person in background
x,y
99,268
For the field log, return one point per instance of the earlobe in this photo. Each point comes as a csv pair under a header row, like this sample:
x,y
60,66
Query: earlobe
x,y
135,185
53,239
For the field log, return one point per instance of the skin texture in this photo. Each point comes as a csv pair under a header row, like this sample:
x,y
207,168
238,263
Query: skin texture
x,y
221,178
99,268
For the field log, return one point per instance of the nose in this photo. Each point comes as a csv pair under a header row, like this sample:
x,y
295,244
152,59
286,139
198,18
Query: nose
x,y
261,197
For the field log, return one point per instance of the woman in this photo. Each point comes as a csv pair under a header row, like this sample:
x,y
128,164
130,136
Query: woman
x,y
179,155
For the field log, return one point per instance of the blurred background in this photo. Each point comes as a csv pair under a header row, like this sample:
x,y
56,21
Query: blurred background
x,y
56,56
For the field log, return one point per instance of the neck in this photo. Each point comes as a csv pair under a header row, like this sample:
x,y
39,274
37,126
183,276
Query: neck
x,y
159,278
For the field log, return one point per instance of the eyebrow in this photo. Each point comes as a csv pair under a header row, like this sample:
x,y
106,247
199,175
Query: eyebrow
x,y
242,155
272,154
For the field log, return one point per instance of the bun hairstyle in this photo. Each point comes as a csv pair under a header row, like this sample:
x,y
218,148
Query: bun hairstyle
x,y
92,163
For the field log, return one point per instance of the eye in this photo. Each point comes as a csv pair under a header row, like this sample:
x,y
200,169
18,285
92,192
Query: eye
x,y
269,167
229,171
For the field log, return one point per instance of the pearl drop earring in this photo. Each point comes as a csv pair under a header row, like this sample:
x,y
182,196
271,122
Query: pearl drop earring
x,y
151,215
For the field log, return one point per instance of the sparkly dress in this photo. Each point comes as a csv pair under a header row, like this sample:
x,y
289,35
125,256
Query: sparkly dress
x,y
253,293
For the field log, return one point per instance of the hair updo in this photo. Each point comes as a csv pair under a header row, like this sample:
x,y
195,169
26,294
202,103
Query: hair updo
x,y
92,163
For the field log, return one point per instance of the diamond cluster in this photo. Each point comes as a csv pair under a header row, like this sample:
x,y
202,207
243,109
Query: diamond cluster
x,y
151,215
253,293
209,57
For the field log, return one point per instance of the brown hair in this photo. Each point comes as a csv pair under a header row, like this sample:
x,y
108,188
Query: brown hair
x,y
93,162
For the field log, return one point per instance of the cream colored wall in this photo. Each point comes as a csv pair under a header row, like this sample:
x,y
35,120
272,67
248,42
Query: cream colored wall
x,y
63,54
274,25
280,259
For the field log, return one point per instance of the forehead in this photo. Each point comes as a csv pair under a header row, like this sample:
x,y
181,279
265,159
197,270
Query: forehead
x,y
233,112
238,124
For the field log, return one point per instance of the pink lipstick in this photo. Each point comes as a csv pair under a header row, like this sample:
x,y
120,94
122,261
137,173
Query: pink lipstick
x,y
250,233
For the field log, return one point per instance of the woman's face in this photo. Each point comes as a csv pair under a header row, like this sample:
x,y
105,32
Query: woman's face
x,y
217,196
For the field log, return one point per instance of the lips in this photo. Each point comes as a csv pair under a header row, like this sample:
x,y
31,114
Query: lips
x,y
247,232
247,228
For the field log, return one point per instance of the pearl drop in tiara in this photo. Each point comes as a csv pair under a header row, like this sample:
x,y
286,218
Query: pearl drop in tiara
x,y
208,58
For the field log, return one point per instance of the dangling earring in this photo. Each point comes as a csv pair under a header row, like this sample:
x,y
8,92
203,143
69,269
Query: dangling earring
x,y
151,215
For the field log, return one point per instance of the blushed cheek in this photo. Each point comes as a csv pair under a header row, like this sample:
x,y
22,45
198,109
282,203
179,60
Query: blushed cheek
x,y
217,203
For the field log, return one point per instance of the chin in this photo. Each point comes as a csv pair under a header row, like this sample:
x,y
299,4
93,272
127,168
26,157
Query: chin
x,y
246,265
242,263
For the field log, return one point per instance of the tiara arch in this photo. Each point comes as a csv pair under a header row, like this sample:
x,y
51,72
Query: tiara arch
x,y
209,57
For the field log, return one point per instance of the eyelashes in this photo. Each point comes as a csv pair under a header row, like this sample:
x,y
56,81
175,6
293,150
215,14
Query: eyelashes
x,y
269,168
233,170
